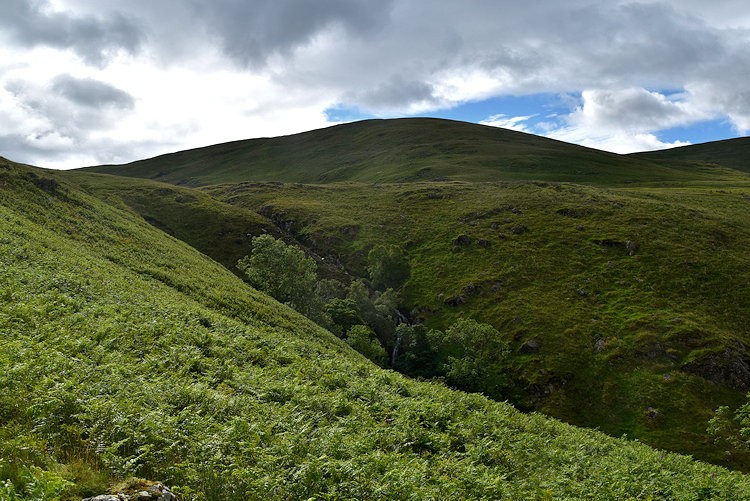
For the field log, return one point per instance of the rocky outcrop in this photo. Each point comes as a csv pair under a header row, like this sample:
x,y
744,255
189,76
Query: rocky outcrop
x,y
140,492
730,367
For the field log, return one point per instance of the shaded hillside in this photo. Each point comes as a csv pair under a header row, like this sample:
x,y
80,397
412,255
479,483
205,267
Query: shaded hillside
x,y
731,153
417,149
628,308
126,352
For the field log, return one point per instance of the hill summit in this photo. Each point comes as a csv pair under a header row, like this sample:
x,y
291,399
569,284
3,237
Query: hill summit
x,y
400,150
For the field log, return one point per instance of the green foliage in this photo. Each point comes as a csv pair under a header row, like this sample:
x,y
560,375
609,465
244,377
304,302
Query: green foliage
x,y
121,345
477,357
417,351
731,430
344,314
599,336
281,271
388,267
362,339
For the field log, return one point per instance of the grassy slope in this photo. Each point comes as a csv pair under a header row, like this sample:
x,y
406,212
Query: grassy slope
x,y
732,153
403,150
616,330
219,230
124,351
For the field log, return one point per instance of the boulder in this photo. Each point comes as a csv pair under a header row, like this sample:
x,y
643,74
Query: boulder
x,y
729,367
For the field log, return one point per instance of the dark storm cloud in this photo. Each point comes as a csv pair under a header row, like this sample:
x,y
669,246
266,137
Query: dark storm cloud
x,y
91,93
93,38
395,94
251,32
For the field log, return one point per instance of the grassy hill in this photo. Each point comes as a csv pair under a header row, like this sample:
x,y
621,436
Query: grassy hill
x,y
625,298
415,149
628,309
732,153
126,352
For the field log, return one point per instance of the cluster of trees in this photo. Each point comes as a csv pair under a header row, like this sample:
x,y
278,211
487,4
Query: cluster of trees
x,y
468,355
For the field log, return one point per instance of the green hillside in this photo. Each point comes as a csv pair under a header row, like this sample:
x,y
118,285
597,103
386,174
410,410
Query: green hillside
x,y
415,149
125,352
628,309
732,153
626,302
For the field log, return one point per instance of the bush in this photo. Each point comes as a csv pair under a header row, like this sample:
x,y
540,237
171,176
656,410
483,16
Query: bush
x,y
388,267
281,271
477,357
363,339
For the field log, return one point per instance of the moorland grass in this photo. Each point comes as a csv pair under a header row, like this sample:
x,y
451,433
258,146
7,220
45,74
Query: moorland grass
x,y
125,352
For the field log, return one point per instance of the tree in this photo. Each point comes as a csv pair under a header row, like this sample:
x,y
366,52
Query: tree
x,y
343,314
387,266
281,271
362,339
377,310
416,350
477,357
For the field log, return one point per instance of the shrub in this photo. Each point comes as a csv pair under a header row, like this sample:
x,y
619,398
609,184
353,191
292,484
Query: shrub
x,y
387,266
282,271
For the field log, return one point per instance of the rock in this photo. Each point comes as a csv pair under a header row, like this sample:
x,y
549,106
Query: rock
x,y
462,240
582,292
519,229
502,236
455,301
728,368
600,345
483,243
531,346
573,212
472,290
152,492
630,247
580,227
652,413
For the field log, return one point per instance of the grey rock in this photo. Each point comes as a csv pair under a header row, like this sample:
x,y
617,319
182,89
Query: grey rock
x,y
531,346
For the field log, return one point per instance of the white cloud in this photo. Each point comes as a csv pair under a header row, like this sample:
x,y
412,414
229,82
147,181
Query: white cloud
x,y
513,123
625,120
197,73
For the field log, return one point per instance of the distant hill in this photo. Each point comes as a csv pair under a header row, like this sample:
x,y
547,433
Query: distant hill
x,y
732,153
402,150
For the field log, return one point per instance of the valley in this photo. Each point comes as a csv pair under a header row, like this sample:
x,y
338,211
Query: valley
x,y
131,346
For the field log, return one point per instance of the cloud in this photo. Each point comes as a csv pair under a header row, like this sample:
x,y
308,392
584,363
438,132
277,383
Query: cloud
x,y
93,38
625,120
92,93
513,123
252,32
181,73
394,96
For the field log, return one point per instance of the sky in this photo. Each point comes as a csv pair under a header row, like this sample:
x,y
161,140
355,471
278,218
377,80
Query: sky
x,y
87,82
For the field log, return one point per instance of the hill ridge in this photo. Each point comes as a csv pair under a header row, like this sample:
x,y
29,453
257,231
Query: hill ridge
x,y
401,150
